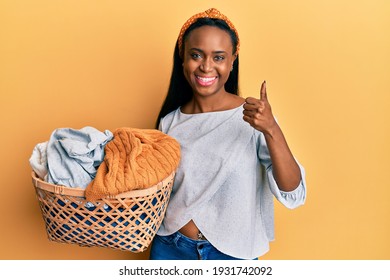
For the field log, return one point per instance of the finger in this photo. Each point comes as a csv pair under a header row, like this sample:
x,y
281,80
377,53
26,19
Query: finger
x,y
252,114
262,107
249,106
249,113
251,100
247,119
263,91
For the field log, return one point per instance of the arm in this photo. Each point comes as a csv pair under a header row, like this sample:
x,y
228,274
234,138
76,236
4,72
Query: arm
x,y
258,113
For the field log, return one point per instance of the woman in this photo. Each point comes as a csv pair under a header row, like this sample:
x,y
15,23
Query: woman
x,y
235,158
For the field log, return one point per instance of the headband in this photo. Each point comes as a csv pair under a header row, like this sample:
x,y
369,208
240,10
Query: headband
x,y
210,13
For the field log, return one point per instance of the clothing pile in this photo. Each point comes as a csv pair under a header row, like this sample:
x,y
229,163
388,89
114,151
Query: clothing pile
x,y
105,163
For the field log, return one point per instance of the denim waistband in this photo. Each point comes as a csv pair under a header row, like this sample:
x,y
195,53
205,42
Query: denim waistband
x,y
178,235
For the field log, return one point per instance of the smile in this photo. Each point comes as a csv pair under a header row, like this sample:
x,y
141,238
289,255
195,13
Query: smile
x,y
205,81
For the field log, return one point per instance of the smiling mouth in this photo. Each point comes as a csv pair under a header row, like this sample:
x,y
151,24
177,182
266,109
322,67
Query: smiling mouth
x,y
205,81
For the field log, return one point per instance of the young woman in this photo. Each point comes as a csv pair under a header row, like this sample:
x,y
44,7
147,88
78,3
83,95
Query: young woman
x,y
235,158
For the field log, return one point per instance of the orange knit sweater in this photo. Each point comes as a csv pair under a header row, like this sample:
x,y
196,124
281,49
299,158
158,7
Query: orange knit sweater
x,y
134,159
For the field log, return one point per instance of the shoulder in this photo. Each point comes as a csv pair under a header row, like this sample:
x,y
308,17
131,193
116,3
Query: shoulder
x,y
237,100
168,119
234,101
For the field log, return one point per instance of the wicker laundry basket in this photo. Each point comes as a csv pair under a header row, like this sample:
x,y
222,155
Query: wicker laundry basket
x,y
126,222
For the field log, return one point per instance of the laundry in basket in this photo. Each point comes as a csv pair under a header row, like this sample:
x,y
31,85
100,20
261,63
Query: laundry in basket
x,y
108,214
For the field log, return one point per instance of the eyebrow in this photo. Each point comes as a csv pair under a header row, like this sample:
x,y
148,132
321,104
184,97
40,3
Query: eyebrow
x,y
199,50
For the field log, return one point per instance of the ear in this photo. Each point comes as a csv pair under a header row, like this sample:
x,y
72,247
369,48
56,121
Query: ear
x,y
234,59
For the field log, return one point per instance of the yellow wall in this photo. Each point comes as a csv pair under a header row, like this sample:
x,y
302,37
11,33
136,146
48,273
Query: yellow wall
x,y
107,64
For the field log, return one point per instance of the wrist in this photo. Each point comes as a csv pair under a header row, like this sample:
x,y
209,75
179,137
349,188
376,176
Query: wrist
x,y
272,130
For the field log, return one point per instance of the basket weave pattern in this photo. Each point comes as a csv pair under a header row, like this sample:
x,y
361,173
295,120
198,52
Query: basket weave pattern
x,y
126,222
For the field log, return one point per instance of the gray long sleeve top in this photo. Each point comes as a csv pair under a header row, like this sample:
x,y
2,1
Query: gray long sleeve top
x,y
224,182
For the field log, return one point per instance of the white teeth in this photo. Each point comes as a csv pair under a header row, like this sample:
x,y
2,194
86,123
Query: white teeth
x,y
203,79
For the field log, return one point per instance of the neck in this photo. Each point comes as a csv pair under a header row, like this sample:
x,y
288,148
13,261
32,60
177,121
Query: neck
x,y
220,102
200,104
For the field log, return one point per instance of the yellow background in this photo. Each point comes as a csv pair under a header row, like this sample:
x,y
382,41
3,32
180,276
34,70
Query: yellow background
x,y
107,64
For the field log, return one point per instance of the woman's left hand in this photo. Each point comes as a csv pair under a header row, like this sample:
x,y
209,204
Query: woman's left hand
x,y
258,113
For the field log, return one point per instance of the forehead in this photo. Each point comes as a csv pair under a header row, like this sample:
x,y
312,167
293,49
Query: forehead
x,y
209,37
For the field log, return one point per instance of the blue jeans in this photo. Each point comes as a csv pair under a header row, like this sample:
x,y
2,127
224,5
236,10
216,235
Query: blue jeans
x,y
179,247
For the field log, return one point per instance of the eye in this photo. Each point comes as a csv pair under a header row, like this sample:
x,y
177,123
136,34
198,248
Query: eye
x,y
195,55
219,58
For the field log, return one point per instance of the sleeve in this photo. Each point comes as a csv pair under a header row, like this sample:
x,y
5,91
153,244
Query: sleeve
x,y
291,199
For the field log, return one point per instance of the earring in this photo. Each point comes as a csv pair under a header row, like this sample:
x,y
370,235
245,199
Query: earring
x,y
232,69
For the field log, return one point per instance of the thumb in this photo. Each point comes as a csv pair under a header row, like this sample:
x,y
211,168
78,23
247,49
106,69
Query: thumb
x,y
263,91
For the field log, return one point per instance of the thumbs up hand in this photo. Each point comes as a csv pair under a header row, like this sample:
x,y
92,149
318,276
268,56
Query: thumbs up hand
x,y
258,113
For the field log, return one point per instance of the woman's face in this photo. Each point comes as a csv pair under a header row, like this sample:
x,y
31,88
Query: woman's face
x,y
208,60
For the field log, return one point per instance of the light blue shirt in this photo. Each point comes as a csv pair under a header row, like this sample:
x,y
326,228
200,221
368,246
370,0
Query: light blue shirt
x,y
224,182
74,155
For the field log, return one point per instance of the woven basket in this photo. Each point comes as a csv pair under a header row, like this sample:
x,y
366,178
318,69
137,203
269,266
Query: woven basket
x,y
126,222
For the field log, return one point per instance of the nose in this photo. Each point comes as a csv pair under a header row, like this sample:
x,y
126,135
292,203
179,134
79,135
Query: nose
x,y
206,65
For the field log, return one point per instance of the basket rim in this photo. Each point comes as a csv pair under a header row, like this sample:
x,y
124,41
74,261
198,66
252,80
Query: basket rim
x,y
80,192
